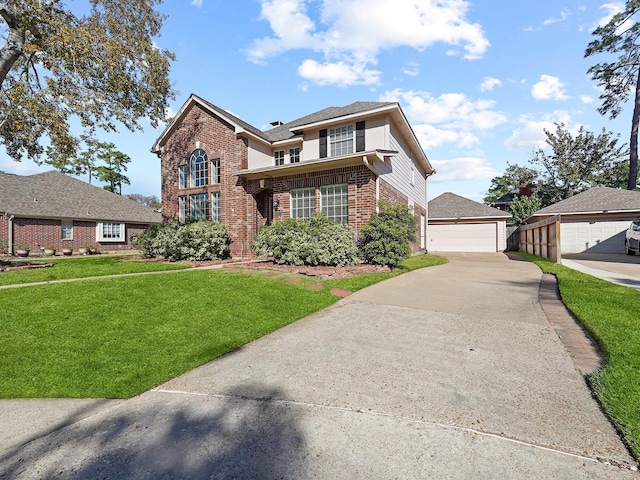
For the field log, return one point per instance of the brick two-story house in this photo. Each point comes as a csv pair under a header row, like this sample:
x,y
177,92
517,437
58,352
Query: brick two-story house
x,y
340,161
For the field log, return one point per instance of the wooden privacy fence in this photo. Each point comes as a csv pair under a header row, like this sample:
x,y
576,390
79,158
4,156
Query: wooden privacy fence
x,y
542,238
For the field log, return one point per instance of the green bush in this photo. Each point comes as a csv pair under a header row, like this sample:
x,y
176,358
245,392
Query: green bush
x,y
386,239
314,241
201,240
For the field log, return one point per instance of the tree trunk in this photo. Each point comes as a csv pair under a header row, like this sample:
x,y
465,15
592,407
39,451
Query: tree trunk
x,y
12,48
633,143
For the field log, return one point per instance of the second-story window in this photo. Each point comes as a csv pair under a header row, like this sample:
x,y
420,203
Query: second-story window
x,y
341,140
199,166
294,155
182,176
278,156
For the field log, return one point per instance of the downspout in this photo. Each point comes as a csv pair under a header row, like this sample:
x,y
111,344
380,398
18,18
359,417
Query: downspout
x,y
10,235
426,209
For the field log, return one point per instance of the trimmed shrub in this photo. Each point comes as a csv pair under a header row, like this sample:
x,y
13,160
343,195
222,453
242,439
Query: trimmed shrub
x,y
197,241
314,241
386,239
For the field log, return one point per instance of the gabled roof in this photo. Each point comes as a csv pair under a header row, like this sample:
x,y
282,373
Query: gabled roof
x,y
294,128
451,206
57,196
285,131
595,200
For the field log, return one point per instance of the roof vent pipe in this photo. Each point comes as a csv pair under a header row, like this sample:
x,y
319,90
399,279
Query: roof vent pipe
x,y
276,123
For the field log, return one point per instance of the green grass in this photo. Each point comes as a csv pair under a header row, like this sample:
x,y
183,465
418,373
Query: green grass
x,y
117,337
82,267
611,314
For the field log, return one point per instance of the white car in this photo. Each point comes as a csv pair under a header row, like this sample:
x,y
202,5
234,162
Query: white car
x,y
632,238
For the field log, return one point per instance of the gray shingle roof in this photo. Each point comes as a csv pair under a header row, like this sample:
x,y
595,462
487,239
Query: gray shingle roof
x,y
283,132
595,199
55,195
449,205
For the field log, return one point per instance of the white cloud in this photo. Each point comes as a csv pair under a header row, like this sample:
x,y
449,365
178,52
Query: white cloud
x,y
412,69
454,111
586,99
463,168
489,83
197,3
610,9
340,73
549,88
342,32
563,16
531,133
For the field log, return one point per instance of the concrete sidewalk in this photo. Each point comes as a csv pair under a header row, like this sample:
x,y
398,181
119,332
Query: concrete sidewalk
x,y
446,372
615,268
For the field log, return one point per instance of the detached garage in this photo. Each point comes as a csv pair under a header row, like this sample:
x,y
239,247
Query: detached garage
x,y
594,221
457,224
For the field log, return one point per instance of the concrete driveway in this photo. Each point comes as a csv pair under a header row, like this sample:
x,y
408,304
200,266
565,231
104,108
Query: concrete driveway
x,y
446,372
617,268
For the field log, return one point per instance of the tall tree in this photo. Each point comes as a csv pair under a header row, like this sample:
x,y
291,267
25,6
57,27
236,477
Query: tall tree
x,y
114,164
150,201
101,67
621,78
574,164
514,177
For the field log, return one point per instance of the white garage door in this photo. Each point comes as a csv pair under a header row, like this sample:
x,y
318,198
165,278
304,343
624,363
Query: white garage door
x,y
598,237
462,237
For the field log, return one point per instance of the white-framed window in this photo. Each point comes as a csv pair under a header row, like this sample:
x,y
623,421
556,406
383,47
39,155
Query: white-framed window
x,y
294,155
182,209
67,230
334,202
341,140
215,206
199,166
215,170
182,176
110,232
278,157
199,206
303,202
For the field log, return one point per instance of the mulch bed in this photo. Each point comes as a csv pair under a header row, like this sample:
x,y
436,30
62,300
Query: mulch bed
x,y
319,271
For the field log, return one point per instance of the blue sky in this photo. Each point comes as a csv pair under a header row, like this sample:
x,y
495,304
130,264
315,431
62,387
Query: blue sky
x,y
478,81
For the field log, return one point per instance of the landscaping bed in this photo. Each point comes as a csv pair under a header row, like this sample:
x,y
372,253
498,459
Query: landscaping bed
x,y
320,271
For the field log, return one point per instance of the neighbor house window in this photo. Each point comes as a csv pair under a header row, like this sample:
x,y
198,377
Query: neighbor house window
x,y
279,157
67,230
182,209
303,202
334,202
341,140
199,166
182,176
110,232
294,155
215,171
215,206
199,206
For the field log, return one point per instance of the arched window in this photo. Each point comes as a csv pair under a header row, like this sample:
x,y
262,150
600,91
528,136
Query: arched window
x,y
199,168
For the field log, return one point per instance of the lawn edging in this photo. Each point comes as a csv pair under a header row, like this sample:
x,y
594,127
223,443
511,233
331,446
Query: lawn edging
x,y
609,313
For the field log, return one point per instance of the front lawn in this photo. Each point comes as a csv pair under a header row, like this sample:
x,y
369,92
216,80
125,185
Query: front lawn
x,y
82,267
117,337
611,314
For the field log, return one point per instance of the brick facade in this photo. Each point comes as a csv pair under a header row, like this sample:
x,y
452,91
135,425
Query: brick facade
x,y
40,233
248,204
394,197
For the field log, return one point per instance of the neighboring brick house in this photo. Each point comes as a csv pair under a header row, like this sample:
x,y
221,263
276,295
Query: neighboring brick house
x,y
339,161
51,209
